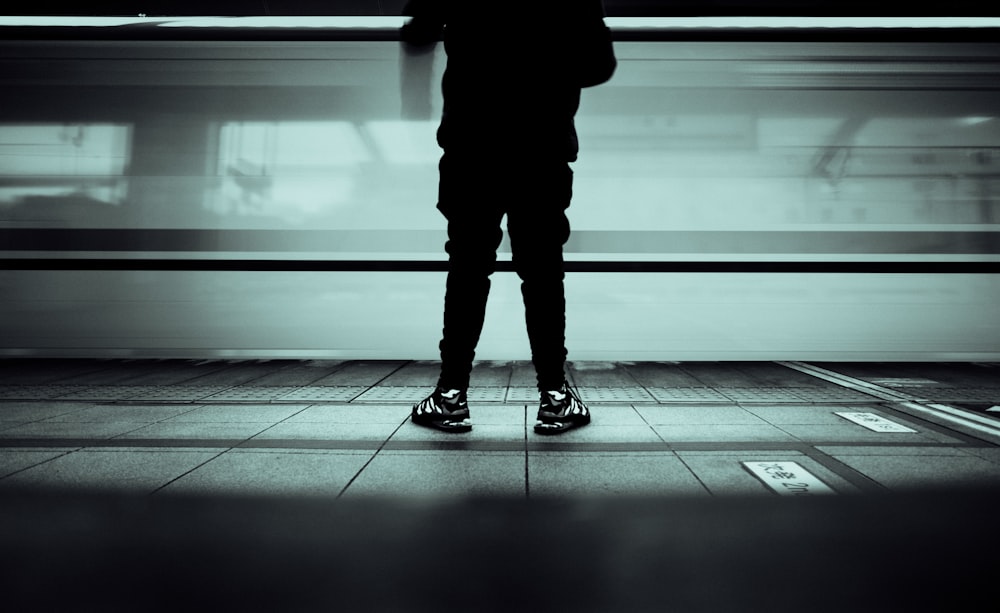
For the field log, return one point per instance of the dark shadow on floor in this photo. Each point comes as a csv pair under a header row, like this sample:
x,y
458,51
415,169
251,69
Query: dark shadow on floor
x,y
917,551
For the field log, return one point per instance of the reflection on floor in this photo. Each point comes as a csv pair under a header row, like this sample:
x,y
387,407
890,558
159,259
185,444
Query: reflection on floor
x,y
302,485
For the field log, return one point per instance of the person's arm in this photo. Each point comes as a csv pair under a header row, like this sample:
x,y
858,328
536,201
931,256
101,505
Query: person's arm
x,y
419,38
595,50
426,23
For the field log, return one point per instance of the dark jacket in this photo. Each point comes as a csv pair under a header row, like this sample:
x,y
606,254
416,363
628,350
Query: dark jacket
x,y
513,79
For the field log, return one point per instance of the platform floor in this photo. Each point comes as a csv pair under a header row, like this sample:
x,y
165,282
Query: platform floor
x,y
744,471
340,429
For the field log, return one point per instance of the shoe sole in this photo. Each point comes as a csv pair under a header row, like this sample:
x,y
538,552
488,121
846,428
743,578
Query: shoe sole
x,y
442,426
565,427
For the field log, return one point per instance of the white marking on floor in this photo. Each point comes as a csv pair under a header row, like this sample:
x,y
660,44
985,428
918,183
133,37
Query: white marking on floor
x,y
788,478
875,423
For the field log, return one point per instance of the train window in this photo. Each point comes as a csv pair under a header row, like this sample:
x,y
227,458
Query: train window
x,y
290,170
65,163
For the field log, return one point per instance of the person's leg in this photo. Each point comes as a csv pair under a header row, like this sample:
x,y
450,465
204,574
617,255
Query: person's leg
x,y
538,229
466,200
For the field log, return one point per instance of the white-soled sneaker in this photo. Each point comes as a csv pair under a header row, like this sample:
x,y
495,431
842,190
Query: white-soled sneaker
x,y
445,410
561,410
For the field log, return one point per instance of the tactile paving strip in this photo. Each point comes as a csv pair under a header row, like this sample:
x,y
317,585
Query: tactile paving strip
x,y
411,394
109,392
251,394
686,394
322,394
588,394
403,394
38,392
522,394
615,394
485,394
761,394
178,393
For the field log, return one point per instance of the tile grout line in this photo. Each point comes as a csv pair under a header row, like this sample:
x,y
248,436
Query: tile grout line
x,y
188,472
369,388
864,483
221,453
673,451
371,459
61,455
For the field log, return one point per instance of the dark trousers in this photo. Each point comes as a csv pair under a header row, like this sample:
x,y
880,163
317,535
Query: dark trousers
x,y
474,195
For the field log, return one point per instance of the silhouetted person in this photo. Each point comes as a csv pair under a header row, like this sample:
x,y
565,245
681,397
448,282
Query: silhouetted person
x,y
511,89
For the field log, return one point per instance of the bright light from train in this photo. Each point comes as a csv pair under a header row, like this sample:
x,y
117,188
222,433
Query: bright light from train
x,y
338,22
974,121
405,142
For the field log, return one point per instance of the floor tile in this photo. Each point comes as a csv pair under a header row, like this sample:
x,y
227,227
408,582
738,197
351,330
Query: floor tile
x,y
32,411
596,433
6,425
663,375
724,474
895,450
523,394
129,413
608,474
269,473
76,430
695,415
523,375
437,474
174,430
490,374
608,415
299,373
481,393
330,431
687,395
602,374
512,433
991,454
13,460
351,414
504,415
403,394
704,433
852,433
804,414
898,472
760,394
179,393
133,471
251,393
320,394
596,395
360,372
418,373
260,413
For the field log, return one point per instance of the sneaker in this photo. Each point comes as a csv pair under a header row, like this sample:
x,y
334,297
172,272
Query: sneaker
x,y
446,410
561,410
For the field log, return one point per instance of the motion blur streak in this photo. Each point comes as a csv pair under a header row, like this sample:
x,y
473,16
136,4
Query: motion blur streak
x,y
821,152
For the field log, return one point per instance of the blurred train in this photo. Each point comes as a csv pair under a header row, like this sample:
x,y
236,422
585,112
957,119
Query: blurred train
x,y
747,189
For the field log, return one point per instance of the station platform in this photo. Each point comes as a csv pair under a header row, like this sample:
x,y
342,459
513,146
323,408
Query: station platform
x,y
302,486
